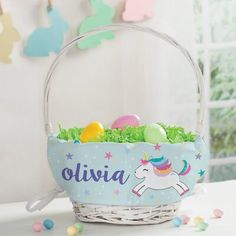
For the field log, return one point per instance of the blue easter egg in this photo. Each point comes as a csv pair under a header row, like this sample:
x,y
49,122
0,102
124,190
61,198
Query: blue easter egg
x,y
177,222
48,224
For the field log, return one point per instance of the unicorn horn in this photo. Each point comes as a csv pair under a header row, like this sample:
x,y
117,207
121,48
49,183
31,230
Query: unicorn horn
x,y
145,157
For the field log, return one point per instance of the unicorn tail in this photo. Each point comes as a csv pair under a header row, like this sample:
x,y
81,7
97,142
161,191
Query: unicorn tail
x,y
186,169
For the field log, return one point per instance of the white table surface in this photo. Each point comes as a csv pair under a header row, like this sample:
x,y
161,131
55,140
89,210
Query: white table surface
x,y
15,220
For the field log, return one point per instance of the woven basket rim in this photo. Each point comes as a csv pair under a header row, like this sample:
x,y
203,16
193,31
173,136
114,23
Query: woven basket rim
x,y
118,215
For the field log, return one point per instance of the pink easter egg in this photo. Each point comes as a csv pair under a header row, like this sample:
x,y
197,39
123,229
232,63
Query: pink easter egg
x,y
127,120
218,213
185,219
37,227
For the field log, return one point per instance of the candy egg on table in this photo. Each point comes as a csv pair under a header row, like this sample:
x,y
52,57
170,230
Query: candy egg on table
x,y
218,213
79,226
198,220
185,219
202,226
127,120
177,222
92,132
72,231
37,227
48,224
154,134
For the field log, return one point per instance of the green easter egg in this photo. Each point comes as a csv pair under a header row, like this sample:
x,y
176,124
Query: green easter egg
x,y
202,226
154,134
79,226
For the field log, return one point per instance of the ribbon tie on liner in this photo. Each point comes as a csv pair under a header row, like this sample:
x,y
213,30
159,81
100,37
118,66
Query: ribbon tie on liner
x,y
43,199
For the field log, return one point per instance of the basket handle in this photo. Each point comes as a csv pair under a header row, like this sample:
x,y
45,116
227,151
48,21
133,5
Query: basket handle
x,y
116,27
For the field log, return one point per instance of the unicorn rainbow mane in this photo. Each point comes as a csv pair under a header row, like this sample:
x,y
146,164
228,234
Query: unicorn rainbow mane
x,y
162,166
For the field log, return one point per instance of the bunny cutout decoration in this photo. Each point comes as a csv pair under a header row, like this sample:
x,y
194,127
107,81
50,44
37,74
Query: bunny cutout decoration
x,y
104,16
45,40
8,37
138,10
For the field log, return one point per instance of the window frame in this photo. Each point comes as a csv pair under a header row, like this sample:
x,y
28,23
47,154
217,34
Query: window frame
x,y
206,46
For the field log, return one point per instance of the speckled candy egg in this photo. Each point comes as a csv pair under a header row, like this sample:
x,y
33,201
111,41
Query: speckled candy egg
x,y
154,134
127,120
177,222
37,227
198,220
218,213
79,226
72,231
48,224
92,132
202,226
185,219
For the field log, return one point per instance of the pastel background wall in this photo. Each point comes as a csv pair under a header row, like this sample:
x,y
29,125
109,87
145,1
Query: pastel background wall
x,y
132,74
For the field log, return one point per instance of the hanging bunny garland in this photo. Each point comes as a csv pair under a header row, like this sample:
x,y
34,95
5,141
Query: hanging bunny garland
x,y
8,36
44,40
135,10
103,16
138,10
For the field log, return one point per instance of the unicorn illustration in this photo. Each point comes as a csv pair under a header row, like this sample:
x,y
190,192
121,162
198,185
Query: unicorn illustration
x,y
138,10
158,175
104,16
8,37
45,40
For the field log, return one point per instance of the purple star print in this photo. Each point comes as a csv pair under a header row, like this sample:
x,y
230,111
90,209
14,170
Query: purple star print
x,y
108,155
69,156
198,156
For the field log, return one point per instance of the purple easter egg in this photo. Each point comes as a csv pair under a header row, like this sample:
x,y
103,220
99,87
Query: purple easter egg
x,y
127,120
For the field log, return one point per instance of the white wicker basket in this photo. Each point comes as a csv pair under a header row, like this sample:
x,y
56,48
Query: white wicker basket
x,y
109,213
140,215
